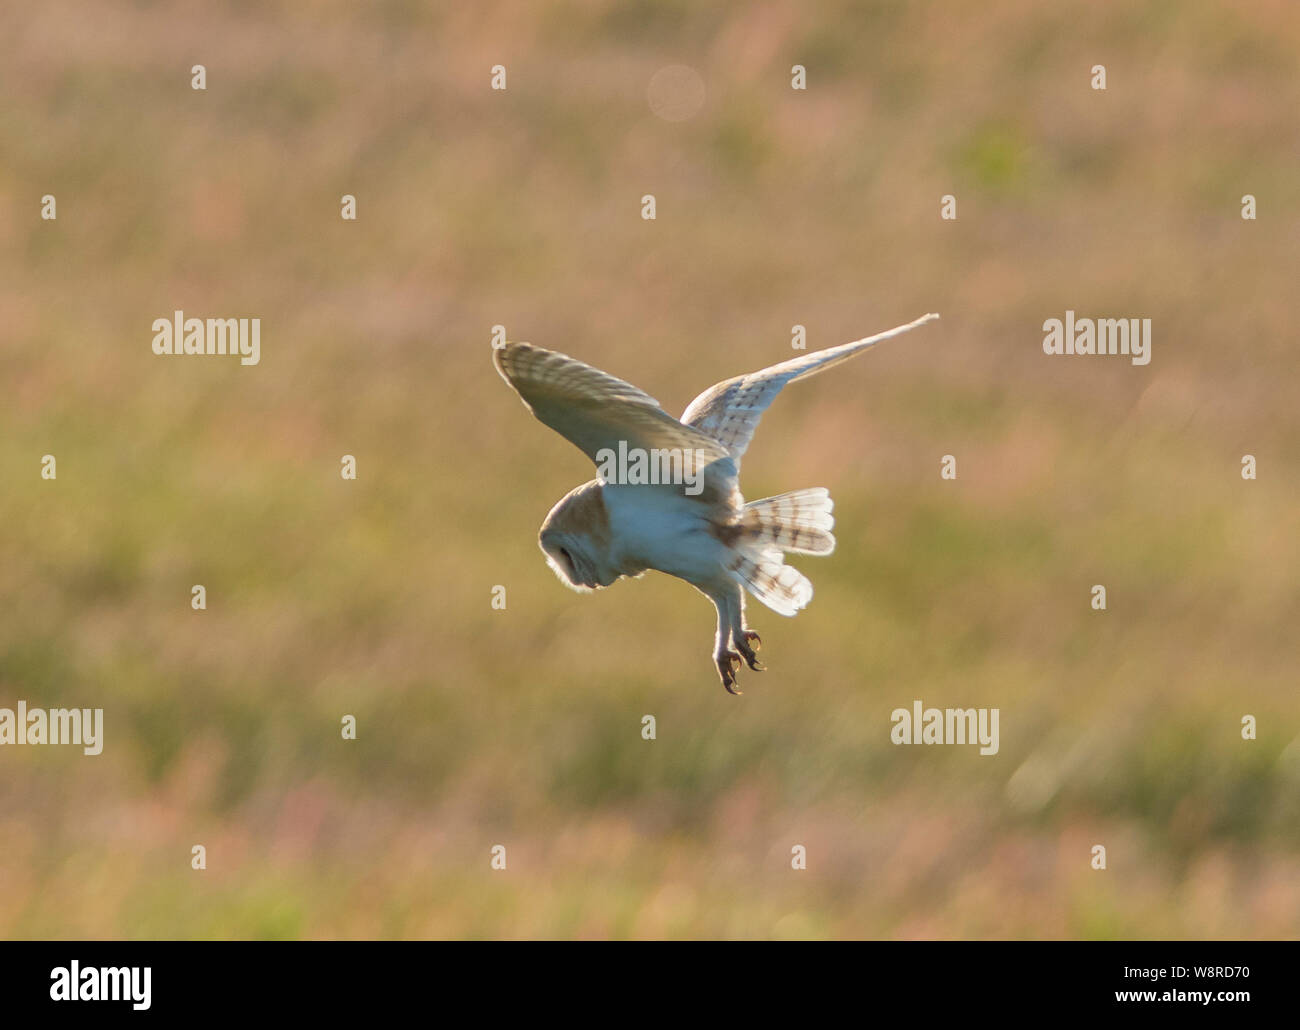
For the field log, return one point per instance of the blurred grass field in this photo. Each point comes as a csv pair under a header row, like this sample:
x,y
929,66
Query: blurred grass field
x,y
522,727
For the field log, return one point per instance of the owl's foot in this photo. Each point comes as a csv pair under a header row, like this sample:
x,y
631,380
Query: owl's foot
x,y
728,662
747,652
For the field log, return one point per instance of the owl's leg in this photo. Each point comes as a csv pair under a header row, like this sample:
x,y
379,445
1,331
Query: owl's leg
x,y
727,660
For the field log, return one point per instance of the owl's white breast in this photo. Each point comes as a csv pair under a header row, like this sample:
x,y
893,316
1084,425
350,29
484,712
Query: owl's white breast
x,y
661,529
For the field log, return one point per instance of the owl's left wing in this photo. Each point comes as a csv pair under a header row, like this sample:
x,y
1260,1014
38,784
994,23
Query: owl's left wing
x,y
730,411
596,411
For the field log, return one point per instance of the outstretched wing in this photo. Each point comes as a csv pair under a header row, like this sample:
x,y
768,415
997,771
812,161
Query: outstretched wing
x,y
596,411
730,411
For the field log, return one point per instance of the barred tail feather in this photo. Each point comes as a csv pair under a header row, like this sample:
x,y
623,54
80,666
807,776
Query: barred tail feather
x,y
783,589
799,522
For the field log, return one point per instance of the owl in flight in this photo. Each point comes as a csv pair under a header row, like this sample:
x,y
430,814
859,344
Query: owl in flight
x,y
668,494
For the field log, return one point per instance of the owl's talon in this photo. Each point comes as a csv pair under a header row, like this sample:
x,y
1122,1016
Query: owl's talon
x,y
747,652
727,664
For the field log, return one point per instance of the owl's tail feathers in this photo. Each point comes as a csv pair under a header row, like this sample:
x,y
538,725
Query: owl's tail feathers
x,y
783,589
799,522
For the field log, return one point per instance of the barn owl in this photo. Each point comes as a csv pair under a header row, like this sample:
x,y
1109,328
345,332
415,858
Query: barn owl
x,y
675,506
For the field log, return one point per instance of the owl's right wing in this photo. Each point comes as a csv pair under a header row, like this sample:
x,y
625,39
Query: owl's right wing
x,y
596,411
730,411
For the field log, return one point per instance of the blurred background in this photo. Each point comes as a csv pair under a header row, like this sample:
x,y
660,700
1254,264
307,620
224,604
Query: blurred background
x,y
522,727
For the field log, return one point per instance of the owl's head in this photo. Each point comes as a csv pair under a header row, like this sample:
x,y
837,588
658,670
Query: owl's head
x,y
575,539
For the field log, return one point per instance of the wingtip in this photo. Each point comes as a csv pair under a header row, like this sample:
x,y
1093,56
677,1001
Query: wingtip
x,y
926,319
507,350
503,355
